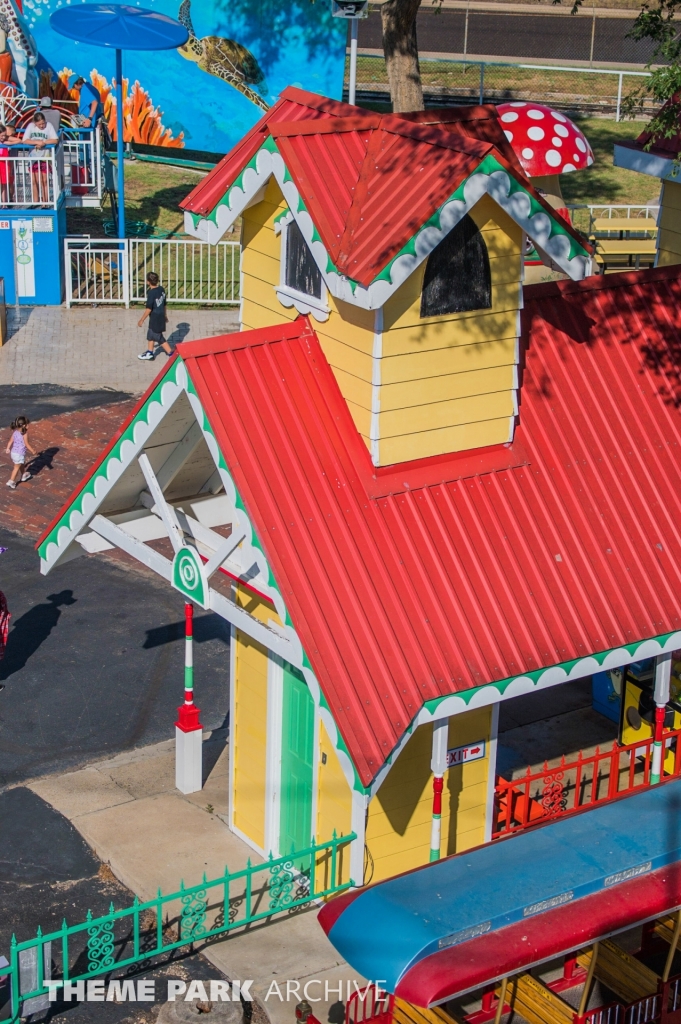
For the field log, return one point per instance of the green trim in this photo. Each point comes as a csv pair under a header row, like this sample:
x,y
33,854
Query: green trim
x,y
488,166
115,453
535,676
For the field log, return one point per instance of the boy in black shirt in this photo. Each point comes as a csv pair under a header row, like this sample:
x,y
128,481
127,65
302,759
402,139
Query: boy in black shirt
x,y
156,311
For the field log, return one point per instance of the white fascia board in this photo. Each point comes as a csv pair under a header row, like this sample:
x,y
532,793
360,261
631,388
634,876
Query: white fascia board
x,y
654,165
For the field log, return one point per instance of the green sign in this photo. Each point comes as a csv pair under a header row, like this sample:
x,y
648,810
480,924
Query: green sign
x,y
189,577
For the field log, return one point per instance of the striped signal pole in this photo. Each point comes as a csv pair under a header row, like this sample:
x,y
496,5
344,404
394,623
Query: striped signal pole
x,y
438,766
188,728
663,671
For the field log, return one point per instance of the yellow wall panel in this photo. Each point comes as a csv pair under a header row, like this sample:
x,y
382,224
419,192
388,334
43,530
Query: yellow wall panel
x,y
255,605
346,358
450,386
671,196
400,814
448,439
334,809
667,259
254,315
353,388
461,359
249,738
669,240
437,415
436,337
361,418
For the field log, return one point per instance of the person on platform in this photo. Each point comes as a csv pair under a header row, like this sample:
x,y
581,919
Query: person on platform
x,y
41,134
52,115
158,317
7,139
89,104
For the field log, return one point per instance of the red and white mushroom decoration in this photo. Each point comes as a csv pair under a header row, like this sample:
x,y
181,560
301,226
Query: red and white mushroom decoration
x,y
547,144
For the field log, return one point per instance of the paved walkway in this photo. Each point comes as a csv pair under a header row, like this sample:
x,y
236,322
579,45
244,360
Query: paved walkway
x,y
86,348
130,813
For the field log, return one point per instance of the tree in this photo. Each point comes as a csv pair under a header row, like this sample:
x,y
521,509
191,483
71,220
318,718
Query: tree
x,y
398,18
658,23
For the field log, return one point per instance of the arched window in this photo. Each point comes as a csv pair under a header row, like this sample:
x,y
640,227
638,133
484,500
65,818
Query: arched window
x,y
457,277
302,273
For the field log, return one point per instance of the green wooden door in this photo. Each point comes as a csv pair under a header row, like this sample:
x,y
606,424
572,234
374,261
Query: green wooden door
x,y
296,763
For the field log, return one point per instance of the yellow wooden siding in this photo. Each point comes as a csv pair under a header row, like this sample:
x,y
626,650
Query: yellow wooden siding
x,y
446,383
451,386
669,235
334,809
250,738
426,443
671,196
400,814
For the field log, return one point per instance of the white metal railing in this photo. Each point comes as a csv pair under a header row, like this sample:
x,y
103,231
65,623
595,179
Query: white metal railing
x,y
31,177
96,271
472,62
109,271
191,271
82,163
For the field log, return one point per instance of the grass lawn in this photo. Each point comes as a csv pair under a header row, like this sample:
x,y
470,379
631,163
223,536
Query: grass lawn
x,y
152,194
603,183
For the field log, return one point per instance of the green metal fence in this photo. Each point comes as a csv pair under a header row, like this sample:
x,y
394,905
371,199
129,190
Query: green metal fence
x,y
124,938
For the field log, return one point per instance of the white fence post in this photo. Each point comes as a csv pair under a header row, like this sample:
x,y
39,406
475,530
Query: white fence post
x,y
124,270
619,97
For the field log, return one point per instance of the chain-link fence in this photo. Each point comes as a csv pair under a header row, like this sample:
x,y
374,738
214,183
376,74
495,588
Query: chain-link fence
x,y
544,36
448,82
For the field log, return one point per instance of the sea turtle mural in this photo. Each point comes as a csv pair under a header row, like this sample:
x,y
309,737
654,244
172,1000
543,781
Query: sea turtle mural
x,y
224,58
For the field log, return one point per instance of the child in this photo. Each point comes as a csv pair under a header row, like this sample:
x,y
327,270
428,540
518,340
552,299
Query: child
x,y
18,444
156,311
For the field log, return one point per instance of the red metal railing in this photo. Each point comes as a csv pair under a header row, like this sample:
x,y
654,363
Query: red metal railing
x,y
572,785
369,1004
663,1007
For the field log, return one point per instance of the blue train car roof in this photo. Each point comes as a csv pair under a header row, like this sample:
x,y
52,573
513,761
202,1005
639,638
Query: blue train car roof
x,y
449,927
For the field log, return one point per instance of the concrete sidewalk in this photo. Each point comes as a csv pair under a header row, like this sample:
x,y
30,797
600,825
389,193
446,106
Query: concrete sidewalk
x,y
87,347
152,836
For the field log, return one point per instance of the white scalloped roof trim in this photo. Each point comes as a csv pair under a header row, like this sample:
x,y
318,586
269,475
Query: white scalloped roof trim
x,y
497,185
490,693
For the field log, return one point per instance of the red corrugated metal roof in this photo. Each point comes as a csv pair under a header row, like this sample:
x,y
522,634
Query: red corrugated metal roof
x,y
293,105
494,565
369,181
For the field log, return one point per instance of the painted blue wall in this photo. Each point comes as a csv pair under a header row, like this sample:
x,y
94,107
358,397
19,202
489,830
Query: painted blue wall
x,y
47,254
296,42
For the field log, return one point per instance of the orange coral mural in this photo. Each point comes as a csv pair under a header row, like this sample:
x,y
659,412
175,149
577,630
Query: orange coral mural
x,y
141,119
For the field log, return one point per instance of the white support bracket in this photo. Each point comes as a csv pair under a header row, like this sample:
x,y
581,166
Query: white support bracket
x,y
161,506
223,552
135,548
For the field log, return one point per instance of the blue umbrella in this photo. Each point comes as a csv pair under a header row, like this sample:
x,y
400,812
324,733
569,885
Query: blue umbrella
x,y
122,28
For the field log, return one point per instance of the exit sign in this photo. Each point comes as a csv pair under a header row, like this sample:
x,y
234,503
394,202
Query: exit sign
x,y
462,755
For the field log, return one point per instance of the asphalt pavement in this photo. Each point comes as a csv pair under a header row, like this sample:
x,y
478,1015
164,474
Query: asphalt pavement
x,y
49,874
38,401
94,662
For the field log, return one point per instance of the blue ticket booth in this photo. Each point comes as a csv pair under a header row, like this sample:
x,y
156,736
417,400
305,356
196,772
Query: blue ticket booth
x,y
32,255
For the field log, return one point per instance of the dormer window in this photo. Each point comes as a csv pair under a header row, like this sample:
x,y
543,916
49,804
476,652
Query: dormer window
x,y
301,280
302,273
457,277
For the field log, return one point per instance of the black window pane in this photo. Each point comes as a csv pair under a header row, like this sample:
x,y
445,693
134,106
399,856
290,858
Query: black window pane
x,y
302,273
457,277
